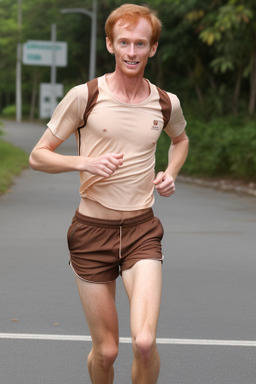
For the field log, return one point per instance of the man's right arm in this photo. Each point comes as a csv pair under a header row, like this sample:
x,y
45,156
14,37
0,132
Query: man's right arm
x,y
44,158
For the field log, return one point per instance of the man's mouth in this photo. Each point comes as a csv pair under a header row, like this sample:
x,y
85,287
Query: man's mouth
x,y
131,62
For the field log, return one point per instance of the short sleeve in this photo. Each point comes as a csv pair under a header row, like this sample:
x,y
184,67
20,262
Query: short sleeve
x,y
177,122
68,114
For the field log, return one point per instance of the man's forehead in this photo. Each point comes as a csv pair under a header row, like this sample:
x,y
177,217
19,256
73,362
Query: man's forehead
x,y
142,24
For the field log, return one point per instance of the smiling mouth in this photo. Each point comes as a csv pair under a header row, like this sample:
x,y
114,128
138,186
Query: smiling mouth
x,y
131,62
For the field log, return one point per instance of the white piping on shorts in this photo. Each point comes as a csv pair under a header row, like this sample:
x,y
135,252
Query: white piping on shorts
x,y
88,281
110,281
139,261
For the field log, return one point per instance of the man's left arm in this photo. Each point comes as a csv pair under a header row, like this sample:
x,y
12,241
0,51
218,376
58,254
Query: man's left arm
x,y
178,151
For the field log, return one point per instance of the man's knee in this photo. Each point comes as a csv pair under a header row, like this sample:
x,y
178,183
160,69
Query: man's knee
x,y
107,355
144,344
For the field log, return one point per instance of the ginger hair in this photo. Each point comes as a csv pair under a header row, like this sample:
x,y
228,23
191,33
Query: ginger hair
x,y
130,14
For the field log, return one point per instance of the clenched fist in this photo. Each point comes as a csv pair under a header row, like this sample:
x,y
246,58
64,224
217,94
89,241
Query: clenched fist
x,y
104,165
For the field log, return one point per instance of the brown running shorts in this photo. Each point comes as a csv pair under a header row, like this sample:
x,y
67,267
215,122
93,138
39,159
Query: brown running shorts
x,y
99,249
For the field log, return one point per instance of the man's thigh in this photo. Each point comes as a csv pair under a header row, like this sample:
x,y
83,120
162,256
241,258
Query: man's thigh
x,y
143,284
98,301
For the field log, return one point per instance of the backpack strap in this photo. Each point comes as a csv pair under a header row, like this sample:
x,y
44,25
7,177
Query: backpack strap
x,y
166,105
93,93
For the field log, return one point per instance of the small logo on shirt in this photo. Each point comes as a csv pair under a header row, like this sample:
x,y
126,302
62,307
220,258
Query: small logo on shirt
x,y
155,125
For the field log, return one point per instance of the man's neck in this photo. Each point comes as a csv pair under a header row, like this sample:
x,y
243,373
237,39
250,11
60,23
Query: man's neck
x,y
131,90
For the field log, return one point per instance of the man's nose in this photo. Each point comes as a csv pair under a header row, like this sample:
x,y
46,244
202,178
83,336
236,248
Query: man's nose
x,y
131,51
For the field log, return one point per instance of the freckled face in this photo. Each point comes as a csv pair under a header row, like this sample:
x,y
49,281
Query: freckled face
x,y
132,47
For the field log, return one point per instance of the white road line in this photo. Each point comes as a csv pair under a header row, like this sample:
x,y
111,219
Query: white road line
x,y
127,340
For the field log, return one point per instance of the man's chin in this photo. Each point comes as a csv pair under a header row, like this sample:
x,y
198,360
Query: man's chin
x,y
132,73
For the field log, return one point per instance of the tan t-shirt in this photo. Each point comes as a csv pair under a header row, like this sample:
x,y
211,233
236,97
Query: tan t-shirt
x,y
115,126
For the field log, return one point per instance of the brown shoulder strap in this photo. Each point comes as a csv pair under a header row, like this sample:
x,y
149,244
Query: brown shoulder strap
x,y
93,92
166,105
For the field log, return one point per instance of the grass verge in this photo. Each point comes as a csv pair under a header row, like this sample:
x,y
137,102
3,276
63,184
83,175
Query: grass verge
x,y
12,161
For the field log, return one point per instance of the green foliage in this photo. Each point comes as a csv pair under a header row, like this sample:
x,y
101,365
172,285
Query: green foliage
x,y
205,46
10,111
9,33
163,145
221,147
227,33
12,161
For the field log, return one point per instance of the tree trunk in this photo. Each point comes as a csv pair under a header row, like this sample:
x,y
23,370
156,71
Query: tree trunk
x,y
212,82
159,69
199,94
252,101
237,88
197,87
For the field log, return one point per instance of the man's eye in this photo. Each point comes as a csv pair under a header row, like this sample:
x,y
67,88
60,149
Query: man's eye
x,y
140,44
123,43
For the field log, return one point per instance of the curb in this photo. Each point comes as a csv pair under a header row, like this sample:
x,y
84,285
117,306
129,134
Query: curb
x,y
222,184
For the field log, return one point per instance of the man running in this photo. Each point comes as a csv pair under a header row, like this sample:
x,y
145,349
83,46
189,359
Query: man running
x,y
117,119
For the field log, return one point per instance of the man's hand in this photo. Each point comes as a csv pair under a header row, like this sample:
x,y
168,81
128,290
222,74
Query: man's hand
x,y
104,165
164,184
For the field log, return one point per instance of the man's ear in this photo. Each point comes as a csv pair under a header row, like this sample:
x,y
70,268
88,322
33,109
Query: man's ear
x,y
153,50
109,46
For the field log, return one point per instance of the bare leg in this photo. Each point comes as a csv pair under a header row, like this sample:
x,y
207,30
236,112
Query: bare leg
x,y
98,301
143,283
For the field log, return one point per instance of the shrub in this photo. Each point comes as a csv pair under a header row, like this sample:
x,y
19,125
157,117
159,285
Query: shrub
x,y
10,111
221,147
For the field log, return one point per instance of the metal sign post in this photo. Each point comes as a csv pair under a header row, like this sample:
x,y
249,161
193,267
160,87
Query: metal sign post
x,y
53,68
18,70
93,15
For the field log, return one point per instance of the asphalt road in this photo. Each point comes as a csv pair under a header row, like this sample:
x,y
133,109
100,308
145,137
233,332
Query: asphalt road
x,y
208,291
